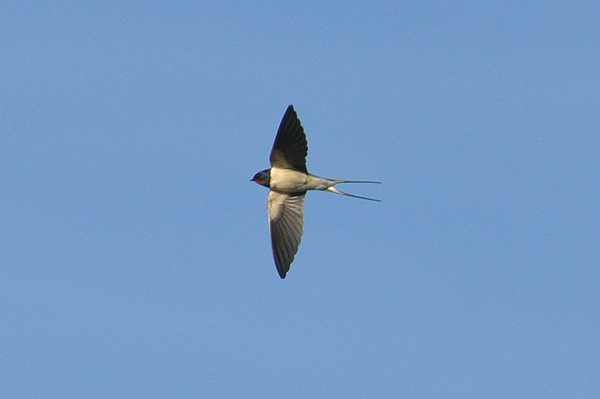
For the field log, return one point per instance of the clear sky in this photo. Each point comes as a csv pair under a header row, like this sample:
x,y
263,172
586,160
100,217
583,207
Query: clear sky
x,y
135,258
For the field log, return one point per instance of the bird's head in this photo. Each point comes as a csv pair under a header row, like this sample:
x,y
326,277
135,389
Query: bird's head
x,y
263,177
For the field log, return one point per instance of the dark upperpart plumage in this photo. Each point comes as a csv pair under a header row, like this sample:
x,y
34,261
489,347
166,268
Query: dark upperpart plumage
x,y
290,146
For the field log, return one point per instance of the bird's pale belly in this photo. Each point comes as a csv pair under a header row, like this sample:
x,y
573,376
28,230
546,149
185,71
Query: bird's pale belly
x,y
291,181
288,181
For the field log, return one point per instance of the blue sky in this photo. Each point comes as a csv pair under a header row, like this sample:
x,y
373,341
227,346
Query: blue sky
x,y
135,259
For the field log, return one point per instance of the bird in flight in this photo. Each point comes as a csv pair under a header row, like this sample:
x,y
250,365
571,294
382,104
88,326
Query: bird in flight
x,y
289,181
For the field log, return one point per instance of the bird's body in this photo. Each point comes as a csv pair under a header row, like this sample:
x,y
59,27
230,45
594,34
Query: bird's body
x,y
292,181
289,180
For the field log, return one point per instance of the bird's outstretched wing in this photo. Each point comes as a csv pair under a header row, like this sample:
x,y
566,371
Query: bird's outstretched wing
x,y
290,147
286,225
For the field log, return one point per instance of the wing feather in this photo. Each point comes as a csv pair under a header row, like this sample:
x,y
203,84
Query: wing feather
x,y
286,225
290,147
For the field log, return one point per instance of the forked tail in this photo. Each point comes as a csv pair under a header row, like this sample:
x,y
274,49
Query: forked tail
x,y
336,191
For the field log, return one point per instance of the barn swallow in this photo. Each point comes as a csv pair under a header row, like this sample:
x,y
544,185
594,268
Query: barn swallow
x,y
289,180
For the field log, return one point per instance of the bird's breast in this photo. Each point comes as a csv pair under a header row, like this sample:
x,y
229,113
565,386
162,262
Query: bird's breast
x,y
288,181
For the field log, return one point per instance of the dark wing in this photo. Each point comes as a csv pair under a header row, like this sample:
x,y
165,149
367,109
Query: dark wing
x,y
286,225
290,147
